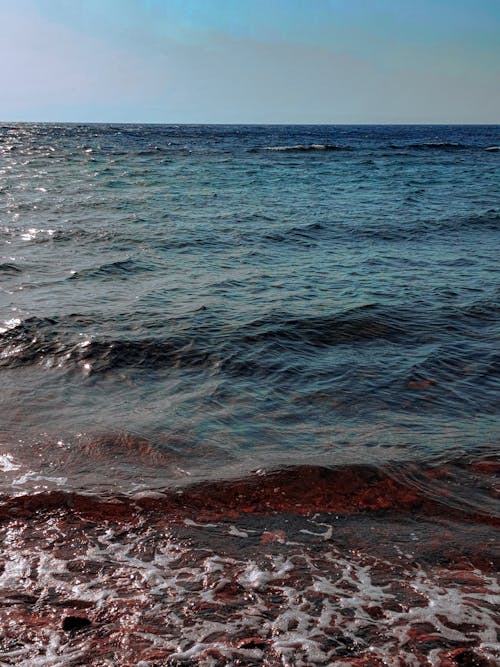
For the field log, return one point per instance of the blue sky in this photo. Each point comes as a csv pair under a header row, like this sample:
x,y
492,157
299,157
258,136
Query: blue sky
x,y
251,61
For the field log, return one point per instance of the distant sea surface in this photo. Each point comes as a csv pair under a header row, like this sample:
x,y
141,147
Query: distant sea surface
x,y
249,395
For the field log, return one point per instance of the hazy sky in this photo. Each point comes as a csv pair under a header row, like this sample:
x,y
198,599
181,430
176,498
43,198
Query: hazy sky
x,y
251,61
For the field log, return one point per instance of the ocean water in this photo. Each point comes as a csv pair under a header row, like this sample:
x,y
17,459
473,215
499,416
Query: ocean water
x,y
249,395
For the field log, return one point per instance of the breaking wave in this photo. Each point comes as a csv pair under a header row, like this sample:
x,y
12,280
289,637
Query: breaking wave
x,y
306,147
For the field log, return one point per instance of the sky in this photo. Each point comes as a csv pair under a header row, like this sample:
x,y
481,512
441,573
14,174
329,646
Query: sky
x,y
250,61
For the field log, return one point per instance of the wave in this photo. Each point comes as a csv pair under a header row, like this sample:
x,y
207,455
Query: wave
x,y
248,348
305,147
119,269
153,150
51,342
483,310
368,322
301,233
55,341
433,489
10,268
461,375
433,145
487,221
421,146
172,149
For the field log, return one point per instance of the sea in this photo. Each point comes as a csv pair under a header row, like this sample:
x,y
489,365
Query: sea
x,y
249,395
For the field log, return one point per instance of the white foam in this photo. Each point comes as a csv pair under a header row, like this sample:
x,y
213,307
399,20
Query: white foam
x,y
10,324
16,573
7,463
326,535
202,602
255,577
237,533
33,232
30,477
190,522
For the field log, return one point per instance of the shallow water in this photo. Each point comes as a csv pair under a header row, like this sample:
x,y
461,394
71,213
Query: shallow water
x,y
268,329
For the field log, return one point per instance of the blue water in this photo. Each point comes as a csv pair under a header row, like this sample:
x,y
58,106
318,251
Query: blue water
x,y
210,300
249,395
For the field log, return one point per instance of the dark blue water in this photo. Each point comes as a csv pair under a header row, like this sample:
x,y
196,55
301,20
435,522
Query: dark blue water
x,y
240,297
249,395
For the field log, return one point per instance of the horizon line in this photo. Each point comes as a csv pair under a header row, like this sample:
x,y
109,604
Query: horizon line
x,y
247,124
